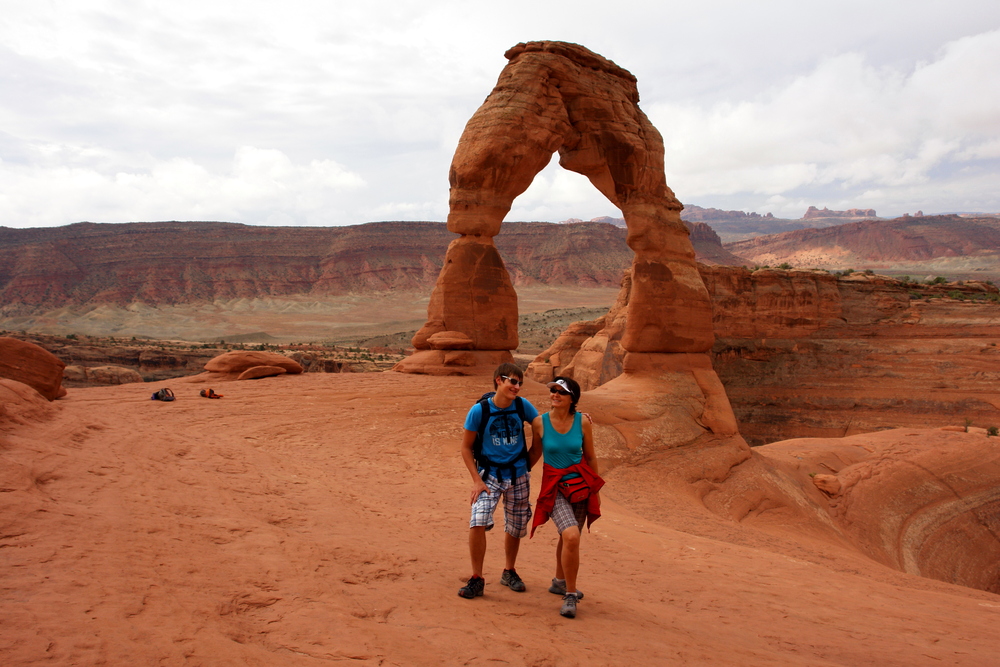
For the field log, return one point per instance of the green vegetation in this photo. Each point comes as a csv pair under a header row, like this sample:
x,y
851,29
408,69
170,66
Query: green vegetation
x,y
992,431
784,266
968,423
938,280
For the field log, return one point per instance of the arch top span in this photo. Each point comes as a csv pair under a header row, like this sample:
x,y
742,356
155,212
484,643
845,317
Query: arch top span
x,y
557,97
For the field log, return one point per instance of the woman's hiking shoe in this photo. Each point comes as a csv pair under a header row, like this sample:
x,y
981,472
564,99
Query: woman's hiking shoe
x,y
512,581
473,588
558,587
569,605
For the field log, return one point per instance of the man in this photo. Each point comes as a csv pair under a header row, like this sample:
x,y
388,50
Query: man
x,y
499,467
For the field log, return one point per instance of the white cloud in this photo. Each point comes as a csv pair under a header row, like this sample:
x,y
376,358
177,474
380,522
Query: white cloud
x,y
117,110
260,186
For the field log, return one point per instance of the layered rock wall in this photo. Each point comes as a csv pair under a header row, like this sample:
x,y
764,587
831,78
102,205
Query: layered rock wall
x,y
806,353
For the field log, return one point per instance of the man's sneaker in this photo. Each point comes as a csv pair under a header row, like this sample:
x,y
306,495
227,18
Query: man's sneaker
x,y
569,606
473,588
558,587
512,581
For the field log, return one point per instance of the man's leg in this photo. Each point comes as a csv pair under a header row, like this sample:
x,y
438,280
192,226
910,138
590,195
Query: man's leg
x,y
510,546
477,549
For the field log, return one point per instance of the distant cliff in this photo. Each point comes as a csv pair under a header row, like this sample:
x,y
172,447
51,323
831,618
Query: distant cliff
x,y
880,243
183,262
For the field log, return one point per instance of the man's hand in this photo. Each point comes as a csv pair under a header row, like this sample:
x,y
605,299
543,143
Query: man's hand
x,y
477,488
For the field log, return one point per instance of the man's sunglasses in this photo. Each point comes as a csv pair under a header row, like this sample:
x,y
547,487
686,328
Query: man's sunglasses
x,y
513,381
561,392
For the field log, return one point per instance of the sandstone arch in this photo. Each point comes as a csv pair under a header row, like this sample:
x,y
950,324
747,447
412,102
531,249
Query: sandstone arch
x,y
559,97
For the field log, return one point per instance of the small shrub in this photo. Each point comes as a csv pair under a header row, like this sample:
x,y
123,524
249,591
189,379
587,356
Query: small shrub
x,y
992,431
869,272
968,423
784,266
939,280
905,280
955,294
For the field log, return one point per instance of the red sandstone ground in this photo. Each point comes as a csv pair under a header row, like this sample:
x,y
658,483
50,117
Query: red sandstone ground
x,y
321,517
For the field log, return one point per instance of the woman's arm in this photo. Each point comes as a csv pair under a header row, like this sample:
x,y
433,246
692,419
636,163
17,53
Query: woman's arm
x,y
535,451
588,446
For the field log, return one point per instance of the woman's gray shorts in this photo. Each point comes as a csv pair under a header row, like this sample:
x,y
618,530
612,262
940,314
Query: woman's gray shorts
x,y
565,514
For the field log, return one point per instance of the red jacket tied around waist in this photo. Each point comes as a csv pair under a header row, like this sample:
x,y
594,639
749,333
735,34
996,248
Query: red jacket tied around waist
x,y
550,482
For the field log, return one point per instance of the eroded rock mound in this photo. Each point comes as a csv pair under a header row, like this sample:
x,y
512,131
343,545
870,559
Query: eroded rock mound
x,y
32,365
922,501
238,361
21,404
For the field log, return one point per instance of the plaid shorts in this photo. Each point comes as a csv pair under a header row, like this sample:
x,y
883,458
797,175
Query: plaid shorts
x,y
565,514
516,508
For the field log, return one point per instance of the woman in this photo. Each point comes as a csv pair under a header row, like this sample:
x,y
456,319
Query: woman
x,y
570,484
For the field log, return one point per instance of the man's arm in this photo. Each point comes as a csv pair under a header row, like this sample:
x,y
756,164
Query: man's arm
x,y
478,486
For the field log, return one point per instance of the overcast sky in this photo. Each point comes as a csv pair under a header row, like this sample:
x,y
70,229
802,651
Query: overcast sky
x,y
335,113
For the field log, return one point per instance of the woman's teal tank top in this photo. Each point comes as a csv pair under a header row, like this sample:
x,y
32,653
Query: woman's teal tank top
x,y
562,450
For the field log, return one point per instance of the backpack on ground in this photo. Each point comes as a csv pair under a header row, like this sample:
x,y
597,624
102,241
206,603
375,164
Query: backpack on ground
x,y
483,462
163,395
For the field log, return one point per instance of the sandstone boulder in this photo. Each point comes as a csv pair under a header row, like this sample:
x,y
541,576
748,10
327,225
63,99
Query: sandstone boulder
x,y
32,365
261,372
238,361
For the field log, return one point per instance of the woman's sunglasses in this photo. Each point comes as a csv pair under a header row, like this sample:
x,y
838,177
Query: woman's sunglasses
x,y
556,390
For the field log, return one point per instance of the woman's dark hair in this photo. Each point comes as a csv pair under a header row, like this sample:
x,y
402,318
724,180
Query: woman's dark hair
x,y
574,389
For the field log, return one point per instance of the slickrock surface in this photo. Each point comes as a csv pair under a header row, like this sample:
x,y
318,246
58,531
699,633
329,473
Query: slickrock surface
x,y
306,519
32,365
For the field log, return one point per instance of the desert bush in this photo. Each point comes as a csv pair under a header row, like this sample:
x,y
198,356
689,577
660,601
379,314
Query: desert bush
x,y
784,266
992,430
938,280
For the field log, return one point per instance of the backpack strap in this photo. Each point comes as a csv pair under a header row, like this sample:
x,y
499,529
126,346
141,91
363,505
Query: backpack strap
x,y
477,448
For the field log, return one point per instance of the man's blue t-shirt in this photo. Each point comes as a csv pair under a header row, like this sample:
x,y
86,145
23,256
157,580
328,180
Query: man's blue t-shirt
x,y
504,435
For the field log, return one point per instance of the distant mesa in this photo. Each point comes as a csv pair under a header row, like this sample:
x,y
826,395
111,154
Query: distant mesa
x,y
699,214
813,212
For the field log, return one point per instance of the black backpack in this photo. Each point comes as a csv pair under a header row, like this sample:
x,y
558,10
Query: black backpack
x,y
485,464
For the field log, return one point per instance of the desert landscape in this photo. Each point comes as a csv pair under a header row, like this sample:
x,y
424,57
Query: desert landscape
x,y
802,462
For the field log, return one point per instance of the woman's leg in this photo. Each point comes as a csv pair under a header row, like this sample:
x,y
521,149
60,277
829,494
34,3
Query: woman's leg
x,y
559,565
569,540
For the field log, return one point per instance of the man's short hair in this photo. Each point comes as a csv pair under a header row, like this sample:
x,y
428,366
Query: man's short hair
x,y
509,370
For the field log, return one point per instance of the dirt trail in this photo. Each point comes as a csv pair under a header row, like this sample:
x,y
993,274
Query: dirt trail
x,y
310,519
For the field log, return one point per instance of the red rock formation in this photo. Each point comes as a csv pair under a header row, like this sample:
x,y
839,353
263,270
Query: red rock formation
x,y
32,365
879,243
806,353
242,360
182,262
554,96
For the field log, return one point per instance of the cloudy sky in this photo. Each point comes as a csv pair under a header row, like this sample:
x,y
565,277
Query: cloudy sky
x,y
334,113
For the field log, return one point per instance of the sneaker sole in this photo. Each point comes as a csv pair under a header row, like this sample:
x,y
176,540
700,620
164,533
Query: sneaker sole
x,y
516,590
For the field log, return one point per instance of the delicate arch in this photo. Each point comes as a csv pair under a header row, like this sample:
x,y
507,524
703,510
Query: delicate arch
x,y
560,97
